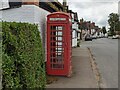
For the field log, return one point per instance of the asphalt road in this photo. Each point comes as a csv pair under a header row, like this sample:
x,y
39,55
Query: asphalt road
x,y
105,52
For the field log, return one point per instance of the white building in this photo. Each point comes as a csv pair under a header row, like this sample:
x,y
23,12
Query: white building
x,y
119,9
30,14
27,13
74,29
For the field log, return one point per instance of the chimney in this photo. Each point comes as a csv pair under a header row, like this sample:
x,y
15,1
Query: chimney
x,y
119,9
30,2
64,3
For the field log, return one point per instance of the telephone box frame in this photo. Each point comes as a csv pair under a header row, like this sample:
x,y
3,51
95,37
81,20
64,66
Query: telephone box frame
x,y
59,36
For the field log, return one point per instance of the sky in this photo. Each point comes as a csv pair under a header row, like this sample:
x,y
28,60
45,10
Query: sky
x,y
94,10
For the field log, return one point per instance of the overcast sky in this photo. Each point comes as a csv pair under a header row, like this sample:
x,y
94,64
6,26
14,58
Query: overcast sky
x,y
94,10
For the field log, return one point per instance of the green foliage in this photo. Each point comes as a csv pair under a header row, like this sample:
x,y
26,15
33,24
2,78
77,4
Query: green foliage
x,y
109,33
114,22
78,43
0,46
118,26
22,56
104,30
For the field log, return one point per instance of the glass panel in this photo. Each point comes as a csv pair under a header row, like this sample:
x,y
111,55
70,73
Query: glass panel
x,y
59,54
57,51
53,33
60,33
51,43
51,38
56,66
56,27
60,28
53,27
60,38
59,43
56,38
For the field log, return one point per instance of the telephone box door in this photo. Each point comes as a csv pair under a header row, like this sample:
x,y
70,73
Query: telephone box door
x,y
57,48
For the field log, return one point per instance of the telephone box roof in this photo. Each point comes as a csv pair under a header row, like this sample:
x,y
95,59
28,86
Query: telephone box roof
x,y
62,13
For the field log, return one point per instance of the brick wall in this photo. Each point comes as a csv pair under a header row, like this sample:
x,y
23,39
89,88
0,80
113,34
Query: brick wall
x,y
30,2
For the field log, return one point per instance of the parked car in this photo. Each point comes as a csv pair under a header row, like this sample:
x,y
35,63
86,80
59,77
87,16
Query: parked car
x,y
116,37
88,37
94,37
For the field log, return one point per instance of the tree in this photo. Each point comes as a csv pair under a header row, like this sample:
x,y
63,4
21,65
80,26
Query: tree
x,y
113,22
104,30
81,26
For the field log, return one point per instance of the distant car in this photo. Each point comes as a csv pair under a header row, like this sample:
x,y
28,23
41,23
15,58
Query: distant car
x,y
94,37
106,35
116,37
98,36
88,37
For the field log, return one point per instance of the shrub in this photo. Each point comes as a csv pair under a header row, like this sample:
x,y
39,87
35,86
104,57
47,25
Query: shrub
x,y
22,56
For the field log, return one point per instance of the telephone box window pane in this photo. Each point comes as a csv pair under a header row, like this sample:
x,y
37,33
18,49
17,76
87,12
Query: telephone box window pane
x,y
59,38
59,49
56,43
56,38
59,43
59,59
59,54
51,44
53,60
51,38
60,33
56,27
58,66
53,27
53,33
60,28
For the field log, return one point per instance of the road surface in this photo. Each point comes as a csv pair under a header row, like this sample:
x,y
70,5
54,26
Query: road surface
x,y
105,52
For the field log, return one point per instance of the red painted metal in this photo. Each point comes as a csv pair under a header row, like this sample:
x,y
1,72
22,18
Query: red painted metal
x,y
59,44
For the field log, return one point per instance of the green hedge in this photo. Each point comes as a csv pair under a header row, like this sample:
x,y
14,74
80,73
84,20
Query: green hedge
x,y
22,56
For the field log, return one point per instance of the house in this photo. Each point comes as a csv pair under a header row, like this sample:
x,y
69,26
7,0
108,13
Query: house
x,y
119,9
29,13
52,6
85,28
75,29
33,12
92,28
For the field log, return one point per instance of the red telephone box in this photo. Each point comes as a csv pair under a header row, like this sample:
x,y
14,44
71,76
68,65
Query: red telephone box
x,y
59,44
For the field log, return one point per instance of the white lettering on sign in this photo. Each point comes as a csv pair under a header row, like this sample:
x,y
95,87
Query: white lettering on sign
x,y
57,19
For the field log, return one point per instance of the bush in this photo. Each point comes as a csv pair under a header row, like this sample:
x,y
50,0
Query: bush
x,y
22,56
78,43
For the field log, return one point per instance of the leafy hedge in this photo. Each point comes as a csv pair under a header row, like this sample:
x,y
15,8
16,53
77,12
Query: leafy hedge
x,y
22,56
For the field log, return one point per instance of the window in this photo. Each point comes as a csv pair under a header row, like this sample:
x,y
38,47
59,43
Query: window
x,y
56,27
60,28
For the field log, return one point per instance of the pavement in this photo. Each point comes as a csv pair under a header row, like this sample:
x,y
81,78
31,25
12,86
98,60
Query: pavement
x,y
82,77
105,52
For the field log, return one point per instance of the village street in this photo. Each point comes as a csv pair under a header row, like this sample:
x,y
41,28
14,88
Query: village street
x,y
59,44
105,53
